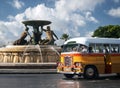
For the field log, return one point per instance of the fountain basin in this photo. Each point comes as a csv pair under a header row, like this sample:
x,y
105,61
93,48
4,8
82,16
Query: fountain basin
x,y
29,54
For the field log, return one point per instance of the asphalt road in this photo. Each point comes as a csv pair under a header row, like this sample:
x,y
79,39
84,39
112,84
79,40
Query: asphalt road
x,y
55,81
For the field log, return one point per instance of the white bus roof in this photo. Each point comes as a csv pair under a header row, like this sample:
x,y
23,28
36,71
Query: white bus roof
x,y
87,40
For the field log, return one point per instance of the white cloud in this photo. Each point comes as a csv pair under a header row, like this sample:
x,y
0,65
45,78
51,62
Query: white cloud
x,y
114,12
90,17
9,31
67,17
89,33
82,5
17,4
39,12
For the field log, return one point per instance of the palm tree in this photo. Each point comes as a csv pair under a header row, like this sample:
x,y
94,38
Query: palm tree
x,y
65,36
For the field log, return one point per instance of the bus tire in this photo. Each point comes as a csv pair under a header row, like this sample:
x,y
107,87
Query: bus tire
x,y
69,75
90,72
118,75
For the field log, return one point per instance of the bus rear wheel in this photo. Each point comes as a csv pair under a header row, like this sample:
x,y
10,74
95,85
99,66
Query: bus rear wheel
x,y
69,75
90,72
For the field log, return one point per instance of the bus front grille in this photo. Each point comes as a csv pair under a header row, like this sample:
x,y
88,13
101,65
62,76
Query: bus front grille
x,y
68,60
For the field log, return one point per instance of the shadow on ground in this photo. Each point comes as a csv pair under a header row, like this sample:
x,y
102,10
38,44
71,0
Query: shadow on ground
x,y
108,77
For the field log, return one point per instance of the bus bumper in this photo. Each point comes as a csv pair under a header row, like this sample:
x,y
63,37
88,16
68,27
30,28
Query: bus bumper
x,y
76,71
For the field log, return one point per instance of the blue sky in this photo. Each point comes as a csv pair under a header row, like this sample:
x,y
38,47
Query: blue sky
x,y
74,17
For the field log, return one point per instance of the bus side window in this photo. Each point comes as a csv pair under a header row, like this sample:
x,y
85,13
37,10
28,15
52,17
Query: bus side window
x,y
90,50
107,48
99,48
114,48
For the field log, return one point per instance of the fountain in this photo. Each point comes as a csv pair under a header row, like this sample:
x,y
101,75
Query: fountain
x,y
32,53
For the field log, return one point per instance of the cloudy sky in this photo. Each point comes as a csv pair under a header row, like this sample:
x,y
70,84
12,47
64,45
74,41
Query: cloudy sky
x,y
74,17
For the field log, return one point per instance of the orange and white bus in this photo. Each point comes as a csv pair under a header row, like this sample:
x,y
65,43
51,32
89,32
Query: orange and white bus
x,y
89,57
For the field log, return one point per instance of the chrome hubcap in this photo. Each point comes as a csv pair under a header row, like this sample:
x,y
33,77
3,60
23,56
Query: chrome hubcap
x,y
90,71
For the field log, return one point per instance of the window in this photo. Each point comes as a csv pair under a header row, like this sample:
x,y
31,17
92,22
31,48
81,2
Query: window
x,y
91,48
114,48
99,48
107,48
70,47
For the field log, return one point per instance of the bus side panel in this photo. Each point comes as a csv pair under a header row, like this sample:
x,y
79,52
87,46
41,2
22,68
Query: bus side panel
x,y
96,60
100,64
77,58
115,58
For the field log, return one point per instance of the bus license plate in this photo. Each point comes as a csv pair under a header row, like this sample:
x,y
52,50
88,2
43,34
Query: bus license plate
x,y
67,69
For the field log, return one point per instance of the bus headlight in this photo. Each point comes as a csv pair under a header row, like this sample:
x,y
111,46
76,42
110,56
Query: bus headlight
x,y
59,67
78,64
60,64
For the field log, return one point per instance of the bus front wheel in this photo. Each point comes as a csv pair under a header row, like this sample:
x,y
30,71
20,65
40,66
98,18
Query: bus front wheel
x,y
118,75
90,72
69,75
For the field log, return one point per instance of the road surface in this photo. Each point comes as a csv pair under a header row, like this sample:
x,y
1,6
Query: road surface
x,y
55,81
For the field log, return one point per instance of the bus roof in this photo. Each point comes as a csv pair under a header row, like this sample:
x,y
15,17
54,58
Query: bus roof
x,y
87,40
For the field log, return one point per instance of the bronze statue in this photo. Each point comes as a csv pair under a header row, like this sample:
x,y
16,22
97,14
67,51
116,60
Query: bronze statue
x,y
36,38
50,36
36,35
21,40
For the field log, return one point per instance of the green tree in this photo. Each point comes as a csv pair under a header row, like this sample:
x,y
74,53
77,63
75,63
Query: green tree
x,y
65,36
110,31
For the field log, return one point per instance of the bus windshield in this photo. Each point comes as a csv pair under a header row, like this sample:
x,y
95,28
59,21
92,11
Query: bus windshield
x,y
74,47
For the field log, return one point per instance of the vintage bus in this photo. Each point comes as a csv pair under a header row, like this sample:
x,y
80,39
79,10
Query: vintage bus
x,y
89,57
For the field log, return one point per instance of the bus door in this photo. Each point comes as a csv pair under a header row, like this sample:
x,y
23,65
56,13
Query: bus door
x,y
107,62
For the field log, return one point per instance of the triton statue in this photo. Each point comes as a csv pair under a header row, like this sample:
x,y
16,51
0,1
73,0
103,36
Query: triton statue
x,y
37,33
